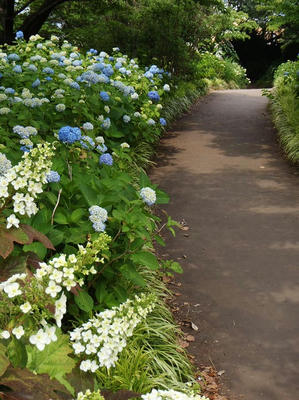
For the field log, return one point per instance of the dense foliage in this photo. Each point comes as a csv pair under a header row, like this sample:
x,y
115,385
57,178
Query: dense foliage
x,y
285,107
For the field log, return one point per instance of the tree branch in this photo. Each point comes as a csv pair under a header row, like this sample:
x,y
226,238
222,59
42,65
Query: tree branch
x,y
24,7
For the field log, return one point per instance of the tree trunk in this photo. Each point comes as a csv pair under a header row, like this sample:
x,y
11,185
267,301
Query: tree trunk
x,y
35,21
7,19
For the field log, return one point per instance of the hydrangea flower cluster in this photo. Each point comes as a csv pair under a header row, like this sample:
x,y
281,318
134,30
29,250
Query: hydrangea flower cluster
x,y
21,184
5,164
69,135
171,395
65,272
103,337
106,159
26,311
98,216
154,95
148,195
53,176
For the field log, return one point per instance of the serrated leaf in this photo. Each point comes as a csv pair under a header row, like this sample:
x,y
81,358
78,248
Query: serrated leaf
x,y
54,360
24,385
17,235
6,245
35,235
145,258
84,301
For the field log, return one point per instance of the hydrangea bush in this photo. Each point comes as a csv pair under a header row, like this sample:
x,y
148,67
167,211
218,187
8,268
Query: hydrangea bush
x,y
77,226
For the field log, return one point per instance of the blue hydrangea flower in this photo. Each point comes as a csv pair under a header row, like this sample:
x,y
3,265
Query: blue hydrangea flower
x,y
126,119
17,69
32,67
90,77
75,85
36,83
87,141
106,123
48,78
104,96
99,226
48,71
87,126
163,121
69,135
13,57
1,75
19,35
25,149
108,70
153,95
77,63
106,159
9,91
53,176
148,75
148,195
101,148
118,65
98,67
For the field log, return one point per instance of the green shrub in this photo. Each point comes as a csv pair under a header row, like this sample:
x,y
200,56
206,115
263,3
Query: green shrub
x,y
285,107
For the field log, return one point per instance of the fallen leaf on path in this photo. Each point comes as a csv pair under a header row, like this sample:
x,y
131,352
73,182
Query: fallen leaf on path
x,y
183,343
190,338
221,372
194,327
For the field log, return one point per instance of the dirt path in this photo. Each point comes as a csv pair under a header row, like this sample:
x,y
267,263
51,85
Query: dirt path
x,y
227,179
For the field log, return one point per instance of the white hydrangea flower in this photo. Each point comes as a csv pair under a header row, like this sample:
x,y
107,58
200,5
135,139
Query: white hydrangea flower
x,y
18,332
12,220
26,307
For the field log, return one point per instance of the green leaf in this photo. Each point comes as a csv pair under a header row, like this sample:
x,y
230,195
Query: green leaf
x,y
84,301
56,236
144,180
41,221
162,197
130,273
54,360
60,218
17,353
51,197
37,248
77,214
101,291
4,361
145,258
176,267
159,240
90,195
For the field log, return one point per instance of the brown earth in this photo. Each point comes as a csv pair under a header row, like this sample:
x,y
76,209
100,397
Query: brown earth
x,y
238,199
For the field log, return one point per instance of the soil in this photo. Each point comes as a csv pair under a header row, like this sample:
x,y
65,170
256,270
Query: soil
x,y
237,199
